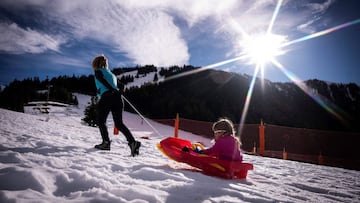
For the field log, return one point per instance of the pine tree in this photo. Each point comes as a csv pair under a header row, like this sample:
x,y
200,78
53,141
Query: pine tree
x,y
155,77
91,113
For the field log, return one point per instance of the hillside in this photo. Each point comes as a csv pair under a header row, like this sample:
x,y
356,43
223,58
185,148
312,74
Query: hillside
x,y
208,95
211,94
50,158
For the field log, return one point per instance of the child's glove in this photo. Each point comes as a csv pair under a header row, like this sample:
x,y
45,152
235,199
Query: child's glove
x,y
198,150
185,149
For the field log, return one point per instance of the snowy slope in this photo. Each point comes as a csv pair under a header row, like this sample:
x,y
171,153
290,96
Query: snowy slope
x,y
53,160
138,82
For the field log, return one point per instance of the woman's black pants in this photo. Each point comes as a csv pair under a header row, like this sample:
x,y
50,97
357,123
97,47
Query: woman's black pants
x,y
112,101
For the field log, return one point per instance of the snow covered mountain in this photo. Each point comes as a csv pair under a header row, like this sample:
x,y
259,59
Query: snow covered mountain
x,y
50,158
211,94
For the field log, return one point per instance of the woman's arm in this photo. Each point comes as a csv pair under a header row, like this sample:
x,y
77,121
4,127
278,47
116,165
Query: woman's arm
x,y
212,150
100,76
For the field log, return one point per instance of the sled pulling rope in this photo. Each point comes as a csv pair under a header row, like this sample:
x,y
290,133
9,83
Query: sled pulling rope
x,y
132,106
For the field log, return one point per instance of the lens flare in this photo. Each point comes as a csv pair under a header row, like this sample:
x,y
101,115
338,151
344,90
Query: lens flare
x,y
322,101
263,49
276,12
324,32
205,68
248,99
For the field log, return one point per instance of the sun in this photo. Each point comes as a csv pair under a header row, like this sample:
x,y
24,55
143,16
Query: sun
x,y
260,49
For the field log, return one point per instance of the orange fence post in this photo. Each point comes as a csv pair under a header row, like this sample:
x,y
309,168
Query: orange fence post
x,y
254,149
176,131
320,159
262,138
284,154
116,131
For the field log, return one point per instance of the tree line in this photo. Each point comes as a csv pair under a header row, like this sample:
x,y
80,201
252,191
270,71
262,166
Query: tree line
x,y
208,95
59,89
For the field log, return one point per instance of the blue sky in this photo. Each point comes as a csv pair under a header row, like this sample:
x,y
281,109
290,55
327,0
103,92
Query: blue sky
x,y
50,38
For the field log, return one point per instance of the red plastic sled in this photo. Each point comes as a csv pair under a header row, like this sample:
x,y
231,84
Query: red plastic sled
x,y
172,147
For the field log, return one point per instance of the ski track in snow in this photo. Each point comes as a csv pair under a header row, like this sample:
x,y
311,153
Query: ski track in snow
x,y
52,159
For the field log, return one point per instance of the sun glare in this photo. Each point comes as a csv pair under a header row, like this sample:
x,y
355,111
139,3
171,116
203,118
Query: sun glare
x,y
261,49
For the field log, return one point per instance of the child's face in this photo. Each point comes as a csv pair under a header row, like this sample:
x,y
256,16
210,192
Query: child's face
x,y
218,134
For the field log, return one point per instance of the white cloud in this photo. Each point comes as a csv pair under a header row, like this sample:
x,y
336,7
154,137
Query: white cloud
x,y
190,10
307,27
146,30
69,61
153,39
314,16
17,40
145,36
320,7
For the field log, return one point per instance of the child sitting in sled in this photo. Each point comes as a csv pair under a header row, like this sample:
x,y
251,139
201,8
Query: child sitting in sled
x,y
227,145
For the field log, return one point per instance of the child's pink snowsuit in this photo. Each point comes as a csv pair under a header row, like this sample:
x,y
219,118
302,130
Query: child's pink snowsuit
x,y
225,148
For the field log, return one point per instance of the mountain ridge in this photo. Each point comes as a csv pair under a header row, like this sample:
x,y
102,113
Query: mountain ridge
x,y
210,94
319,105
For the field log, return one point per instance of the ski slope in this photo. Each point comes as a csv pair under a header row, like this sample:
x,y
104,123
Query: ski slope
x,y
141,80
50,158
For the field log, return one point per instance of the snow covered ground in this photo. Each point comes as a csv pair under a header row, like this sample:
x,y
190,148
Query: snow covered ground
x,y
138,82
51,159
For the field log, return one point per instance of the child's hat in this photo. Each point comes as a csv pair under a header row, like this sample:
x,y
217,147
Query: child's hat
x,y
224,125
